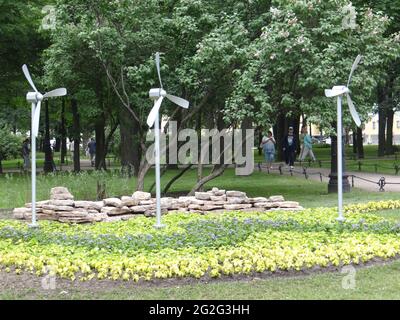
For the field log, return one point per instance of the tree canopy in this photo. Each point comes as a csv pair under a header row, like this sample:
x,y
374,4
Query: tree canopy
x,y
236,62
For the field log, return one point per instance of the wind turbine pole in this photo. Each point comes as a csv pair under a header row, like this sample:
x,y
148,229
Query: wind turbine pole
x,y
157,163
339,159
33,169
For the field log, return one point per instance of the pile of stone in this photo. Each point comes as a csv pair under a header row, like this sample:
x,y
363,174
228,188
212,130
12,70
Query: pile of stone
x,y
63,208
222,200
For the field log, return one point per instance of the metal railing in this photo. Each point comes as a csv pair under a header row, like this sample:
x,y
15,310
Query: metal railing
x,y
380,183
360,164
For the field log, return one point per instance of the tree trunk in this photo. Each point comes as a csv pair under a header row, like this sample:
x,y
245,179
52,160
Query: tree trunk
x,y
144,167
100,160
333,176
48,153
200,162
57,147
355,132
260,136
176,143
63,133
280,135
389,131
382,122
296,130
1,166
130,150
76,134
360,143
176,177
219,170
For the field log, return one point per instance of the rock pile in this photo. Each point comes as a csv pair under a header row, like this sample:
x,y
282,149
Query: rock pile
x,y
63,208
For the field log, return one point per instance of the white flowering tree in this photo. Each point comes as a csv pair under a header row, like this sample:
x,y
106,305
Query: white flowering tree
x,y
305,48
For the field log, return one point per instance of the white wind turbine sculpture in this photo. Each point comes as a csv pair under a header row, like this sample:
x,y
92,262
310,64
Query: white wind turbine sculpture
x,y
339,91
36,98
158,95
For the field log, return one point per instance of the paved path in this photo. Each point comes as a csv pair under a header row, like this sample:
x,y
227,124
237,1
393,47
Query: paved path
x,y
359,179
85,165
313,174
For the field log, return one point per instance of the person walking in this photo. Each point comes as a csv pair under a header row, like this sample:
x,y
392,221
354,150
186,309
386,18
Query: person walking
x,y
289,148
25,153
306,149
301,140
268,146
91,148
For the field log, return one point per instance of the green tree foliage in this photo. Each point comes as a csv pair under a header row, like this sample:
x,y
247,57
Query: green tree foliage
x,y
10,145
241,60
305,49
20,42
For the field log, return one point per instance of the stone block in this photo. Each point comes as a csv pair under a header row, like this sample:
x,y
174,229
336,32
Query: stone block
x,y
202,195
113,202
236,194
140,195
237,206
276,198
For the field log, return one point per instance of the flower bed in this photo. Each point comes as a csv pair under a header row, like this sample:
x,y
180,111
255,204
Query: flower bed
x,y
194,246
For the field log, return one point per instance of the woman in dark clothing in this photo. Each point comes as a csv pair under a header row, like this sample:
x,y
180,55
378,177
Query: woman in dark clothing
x,y
289,148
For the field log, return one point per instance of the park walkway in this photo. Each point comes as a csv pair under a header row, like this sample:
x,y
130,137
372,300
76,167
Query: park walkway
x,y
361,180
85,165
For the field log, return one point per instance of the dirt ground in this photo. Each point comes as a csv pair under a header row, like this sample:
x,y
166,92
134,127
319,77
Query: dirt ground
x,y
29,286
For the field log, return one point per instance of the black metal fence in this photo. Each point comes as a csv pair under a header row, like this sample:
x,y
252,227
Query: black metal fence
x,y
304,171
395,167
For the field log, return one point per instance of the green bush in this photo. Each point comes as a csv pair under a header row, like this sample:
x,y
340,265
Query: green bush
x,y
10,145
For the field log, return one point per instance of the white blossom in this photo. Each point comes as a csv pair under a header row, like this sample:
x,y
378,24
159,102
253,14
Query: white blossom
x,y
284,34
257,53
292,21
300,40
275,12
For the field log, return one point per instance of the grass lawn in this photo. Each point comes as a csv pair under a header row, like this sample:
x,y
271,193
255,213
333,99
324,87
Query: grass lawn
x,y
15,189
372,282
377,282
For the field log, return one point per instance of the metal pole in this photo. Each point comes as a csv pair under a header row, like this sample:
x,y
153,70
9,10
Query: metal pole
x,y
339,159
33,170
157,163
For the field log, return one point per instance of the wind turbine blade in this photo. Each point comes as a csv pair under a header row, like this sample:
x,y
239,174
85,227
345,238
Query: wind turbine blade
x,y
354,67
179,101
158,68
36,118
353,111
28,77
56,93
329,93
153,113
